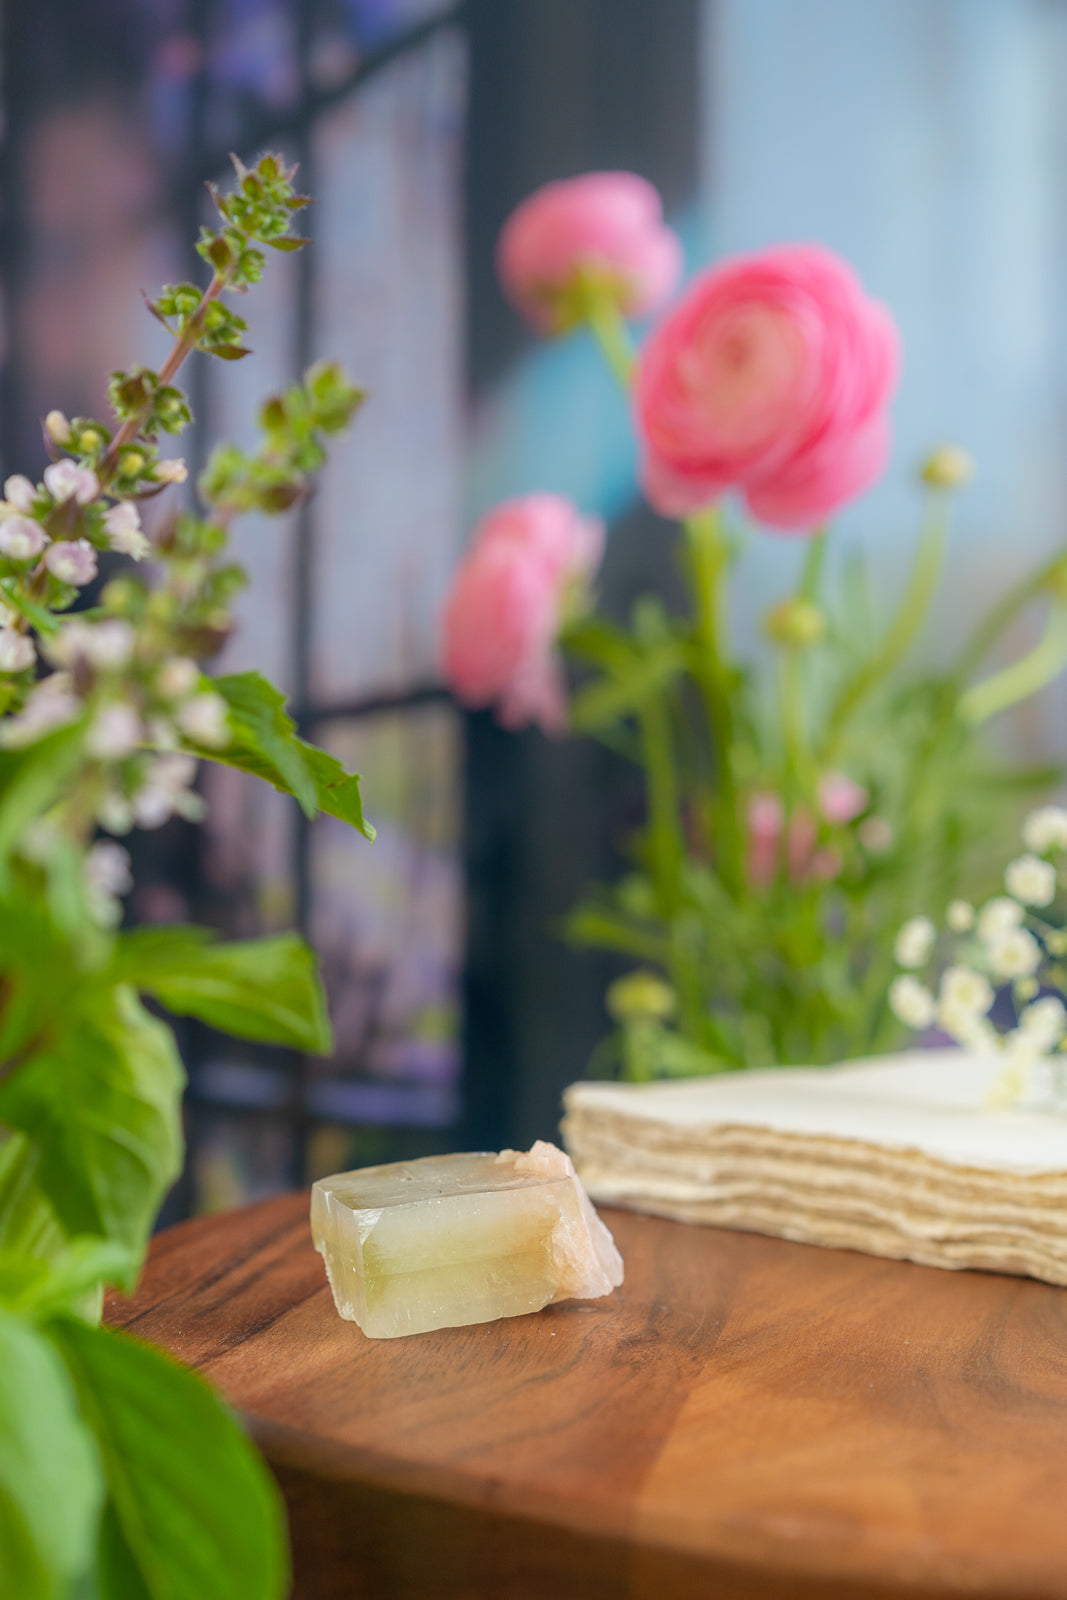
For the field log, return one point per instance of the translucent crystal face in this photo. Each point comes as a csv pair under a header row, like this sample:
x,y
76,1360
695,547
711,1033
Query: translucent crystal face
x,y
457,1239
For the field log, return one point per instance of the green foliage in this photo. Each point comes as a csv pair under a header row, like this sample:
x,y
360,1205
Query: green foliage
x,y
264,989
265,743
122,1477
788,959
192,1512
51,1489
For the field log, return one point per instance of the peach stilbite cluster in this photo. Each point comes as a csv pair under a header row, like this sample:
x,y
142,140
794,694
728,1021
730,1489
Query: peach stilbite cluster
x,y
529,558
605,226
772,377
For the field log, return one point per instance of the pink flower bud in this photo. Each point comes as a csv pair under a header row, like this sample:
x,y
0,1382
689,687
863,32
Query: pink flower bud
x,y
71,561
841,800
65,480
19,492
507,604
772,376
122,524
16,651
21,538
766,817
607,225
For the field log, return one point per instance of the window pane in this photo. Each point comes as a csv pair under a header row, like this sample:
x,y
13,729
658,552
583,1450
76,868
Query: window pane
x,y
388,276
387,920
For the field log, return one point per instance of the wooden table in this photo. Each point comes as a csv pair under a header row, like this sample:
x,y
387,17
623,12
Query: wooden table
x,y
744,1418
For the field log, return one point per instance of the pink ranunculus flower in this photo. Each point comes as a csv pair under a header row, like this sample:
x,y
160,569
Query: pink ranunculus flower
x,y
606,224
507,604
772,376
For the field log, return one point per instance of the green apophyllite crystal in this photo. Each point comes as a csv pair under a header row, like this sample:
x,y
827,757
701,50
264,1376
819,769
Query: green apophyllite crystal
x,y
456,1239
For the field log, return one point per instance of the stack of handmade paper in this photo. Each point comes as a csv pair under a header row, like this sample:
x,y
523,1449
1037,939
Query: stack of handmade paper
x,y
902,1156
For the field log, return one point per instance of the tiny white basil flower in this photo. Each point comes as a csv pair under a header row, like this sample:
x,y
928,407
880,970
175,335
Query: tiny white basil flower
x,y
1014,953
71,561
911,1002
114,812
205,720
57,427
114,733
997,916
21,538
960,916
65,480
168,792
914,942
1031,880
1045,829
122,524
108,868
174,471
966,988
16,651
177,678
19,492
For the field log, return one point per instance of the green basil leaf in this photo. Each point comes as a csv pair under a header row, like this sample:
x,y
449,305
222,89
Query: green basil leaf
x,y
264,989
69,1279
264,742
199,1515
102,1100
51,1484
30,781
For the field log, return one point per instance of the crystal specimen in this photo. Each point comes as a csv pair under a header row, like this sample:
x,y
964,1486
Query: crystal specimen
x,y
451,1240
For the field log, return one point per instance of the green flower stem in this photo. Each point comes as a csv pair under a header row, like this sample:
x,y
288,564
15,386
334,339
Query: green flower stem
x,y
1023,678
182,348
708,563
666,847
609,329
666,856
1004,613
814,561
797,755
906,622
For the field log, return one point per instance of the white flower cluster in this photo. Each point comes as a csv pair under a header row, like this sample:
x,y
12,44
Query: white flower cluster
x,y
1005,943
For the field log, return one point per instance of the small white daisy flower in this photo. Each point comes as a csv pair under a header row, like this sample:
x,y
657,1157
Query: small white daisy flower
x,y
967,988
914,942
997,916
911,1002
1044,829
960,916
1031,880
1045,1021
1015,953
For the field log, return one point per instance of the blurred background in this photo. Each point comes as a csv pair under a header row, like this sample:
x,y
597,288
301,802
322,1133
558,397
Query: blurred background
x,y
926,140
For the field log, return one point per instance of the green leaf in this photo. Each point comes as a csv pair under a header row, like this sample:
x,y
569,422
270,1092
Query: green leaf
x,y
265,743
39,1288
28,1222
51,1485
31,780
102,1099
265,989
199,1515
261,728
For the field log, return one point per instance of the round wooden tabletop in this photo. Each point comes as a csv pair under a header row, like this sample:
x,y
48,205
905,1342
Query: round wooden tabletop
x,y
744,1418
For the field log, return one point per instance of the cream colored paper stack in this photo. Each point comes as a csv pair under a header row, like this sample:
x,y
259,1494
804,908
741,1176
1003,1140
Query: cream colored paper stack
x,y
900,1156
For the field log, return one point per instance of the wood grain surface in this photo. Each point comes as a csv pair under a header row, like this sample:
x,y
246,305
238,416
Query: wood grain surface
x,y
744,1418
